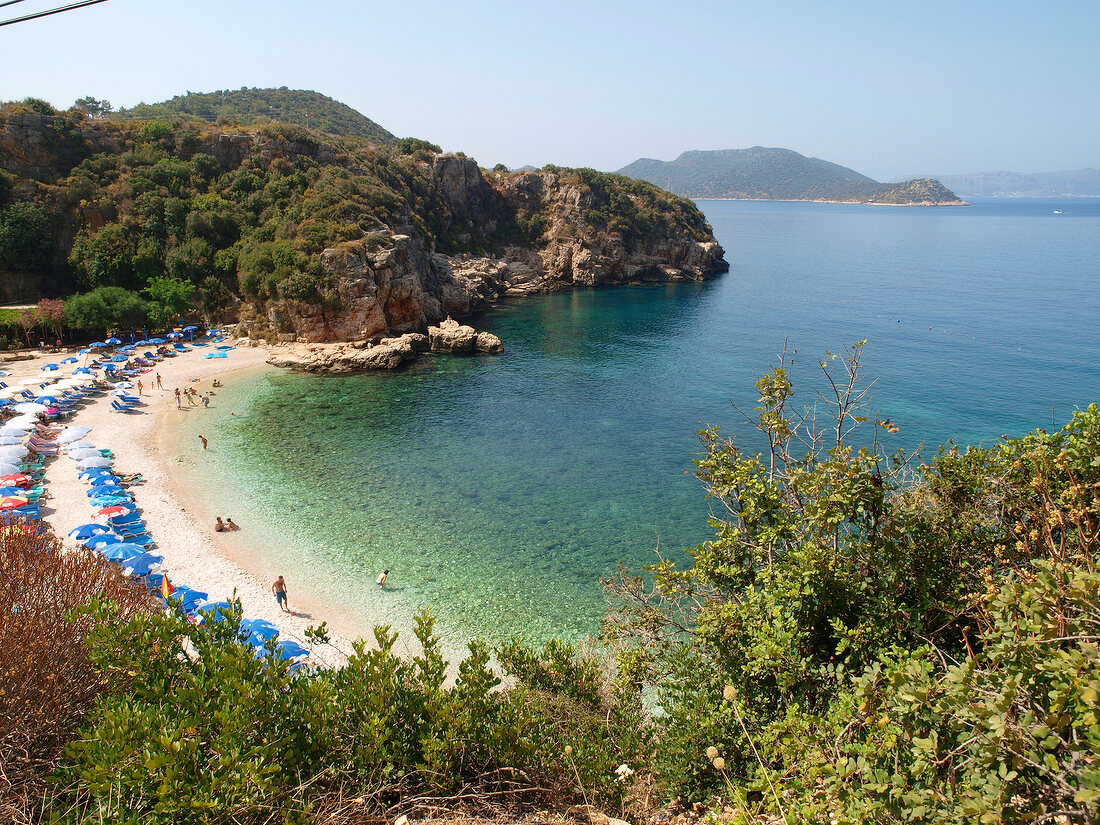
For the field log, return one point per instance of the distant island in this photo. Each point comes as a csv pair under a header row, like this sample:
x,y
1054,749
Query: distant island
x,y
761,173
1076,183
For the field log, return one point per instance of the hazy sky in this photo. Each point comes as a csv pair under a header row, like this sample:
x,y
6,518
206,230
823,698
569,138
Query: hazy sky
x,y
886,88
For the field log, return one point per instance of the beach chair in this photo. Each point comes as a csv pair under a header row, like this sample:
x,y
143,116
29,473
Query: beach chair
x,y
115,405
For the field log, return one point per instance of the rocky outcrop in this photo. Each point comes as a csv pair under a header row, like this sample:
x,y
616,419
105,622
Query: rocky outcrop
x,y
349,357
451,336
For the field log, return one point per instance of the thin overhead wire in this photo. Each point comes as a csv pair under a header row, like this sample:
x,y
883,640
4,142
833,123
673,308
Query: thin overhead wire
x,y
11,3
38,14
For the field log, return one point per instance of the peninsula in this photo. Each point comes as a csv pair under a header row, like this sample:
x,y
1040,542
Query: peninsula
x,y
761,173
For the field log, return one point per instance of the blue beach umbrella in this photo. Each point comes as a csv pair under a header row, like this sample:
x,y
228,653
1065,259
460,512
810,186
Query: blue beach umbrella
x,y
102,540
157,341
290,650
215,355
12,491
123,551
260,628
190,328
118,359
70,360
82,371
188,596
174,335
113,341
97,345
85,351
99,502
215,611
50,367
91,475
87,531
141,565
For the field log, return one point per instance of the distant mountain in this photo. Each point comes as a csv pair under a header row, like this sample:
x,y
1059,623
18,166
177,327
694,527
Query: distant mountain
x,y
760,173
246,106
1078,183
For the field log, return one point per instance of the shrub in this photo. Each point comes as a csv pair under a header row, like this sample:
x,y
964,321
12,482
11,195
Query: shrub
x,y
49,681
26,240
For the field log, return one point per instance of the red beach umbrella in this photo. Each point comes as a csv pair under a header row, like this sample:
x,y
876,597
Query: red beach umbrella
x,y
12,503
113,510
17,479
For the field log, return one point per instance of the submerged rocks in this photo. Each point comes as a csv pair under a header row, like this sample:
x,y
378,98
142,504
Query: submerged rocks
x,y
384,354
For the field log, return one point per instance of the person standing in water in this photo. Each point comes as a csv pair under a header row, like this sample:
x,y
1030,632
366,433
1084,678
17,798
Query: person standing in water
x,y
279,589
381,582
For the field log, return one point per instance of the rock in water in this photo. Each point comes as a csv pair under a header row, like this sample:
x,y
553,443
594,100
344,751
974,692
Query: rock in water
x,y
451,336
487,342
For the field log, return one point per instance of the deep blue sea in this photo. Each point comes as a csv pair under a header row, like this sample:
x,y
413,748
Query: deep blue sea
x,y
498,490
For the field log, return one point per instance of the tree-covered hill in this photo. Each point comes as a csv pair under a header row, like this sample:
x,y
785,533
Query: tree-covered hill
x,y
313,235
250,106
761,173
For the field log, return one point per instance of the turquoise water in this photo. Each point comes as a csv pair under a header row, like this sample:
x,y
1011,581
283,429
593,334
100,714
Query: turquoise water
x,y
497,490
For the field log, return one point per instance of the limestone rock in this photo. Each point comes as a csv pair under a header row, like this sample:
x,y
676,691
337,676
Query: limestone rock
x,y
487,342
451,336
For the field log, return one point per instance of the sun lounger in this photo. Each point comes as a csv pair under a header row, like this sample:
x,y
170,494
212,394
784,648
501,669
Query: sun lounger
x,y
115,405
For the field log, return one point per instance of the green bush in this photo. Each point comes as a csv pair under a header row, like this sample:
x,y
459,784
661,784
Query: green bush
x,y
26,239
107,307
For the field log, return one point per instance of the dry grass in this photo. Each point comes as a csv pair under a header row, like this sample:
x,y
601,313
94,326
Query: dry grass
x,y
47,682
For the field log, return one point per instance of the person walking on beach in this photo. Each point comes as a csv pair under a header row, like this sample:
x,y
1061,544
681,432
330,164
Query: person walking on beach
x,y
191,397
279,589
160,386
382,579
206,400
202,438
179,400
140,387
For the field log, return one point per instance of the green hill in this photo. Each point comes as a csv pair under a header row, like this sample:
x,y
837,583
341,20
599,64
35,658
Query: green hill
x,y
761,173
249,106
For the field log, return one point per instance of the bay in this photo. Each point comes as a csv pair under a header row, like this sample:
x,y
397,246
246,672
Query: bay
x,y
498,490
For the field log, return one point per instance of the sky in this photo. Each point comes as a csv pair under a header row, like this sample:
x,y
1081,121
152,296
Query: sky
x,y
888,89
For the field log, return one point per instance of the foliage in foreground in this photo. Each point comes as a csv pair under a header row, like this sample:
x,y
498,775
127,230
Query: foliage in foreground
x,y
208,731
868,640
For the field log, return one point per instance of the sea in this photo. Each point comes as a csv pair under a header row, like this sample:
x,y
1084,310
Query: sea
x,y
499,491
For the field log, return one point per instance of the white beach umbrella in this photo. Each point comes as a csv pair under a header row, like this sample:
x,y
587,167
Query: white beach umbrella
x,y
11,429
14,451
49,391
8,468
73,434
78,445
9,392
30,408
8,440
27,422
84,452
88,463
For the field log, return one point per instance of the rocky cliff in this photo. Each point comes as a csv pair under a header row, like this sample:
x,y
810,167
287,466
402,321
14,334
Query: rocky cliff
x,y
322,238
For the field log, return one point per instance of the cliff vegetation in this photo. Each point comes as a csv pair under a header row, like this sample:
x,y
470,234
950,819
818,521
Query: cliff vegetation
x,y
316,236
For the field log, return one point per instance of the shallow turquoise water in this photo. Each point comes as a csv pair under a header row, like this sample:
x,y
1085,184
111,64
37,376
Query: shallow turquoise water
x,y
499,489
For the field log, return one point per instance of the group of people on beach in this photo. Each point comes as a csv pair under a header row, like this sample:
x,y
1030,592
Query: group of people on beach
x,y
225,526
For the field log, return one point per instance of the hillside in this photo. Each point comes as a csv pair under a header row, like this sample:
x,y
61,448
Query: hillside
x,y
315,236
761,173
250,106
1076,183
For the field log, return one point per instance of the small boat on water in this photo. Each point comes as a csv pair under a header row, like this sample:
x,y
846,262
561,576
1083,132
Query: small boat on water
x,y
1057,211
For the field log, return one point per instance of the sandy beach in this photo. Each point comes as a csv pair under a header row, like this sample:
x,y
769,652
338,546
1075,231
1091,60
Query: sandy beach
x,y
194,554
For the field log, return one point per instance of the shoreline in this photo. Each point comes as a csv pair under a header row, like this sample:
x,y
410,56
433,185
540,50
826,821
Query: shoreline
x,y
172,502
959,202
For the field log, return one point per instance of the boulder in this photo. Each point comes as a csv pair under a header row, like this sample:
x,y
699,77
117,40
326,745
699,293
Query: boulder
x,y
487,342
451,336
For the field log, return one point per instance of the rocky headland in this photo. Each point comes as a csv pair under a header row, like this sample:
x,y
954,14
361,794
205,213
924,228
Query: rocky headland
x,y
321,239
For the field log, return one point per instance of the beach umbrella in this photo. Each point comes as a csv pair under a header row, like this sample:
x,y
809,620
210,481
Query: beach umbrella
x,y
79,445
103,540
97,344
290,650
29,408
4,373
85,351
174,335
190,328
70,360
216,610
104,480
9,429
90,475
87,531
157,341
114,510
9,392
84,452
260,627
88,463
14,451
18,479
123,551
9,469
118,359
11,490
123,385
142,565
112,490
82,371
215,355
112,341
73,434
110,501
26,421
9,440
50,367
32,382
12,502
